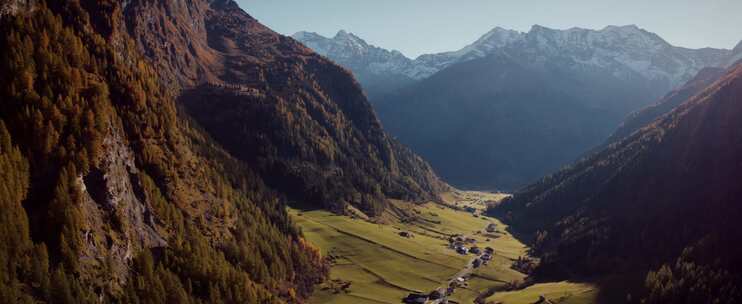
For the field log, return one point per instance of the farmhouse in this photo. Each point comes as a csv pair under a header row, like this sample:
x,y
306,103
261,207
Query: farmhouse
x,y
405,234
415,298
477,263
435,295
455,245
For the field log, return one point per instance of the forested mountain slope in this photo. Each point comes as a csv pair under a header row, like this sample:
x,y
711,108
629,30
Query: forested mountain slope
x,y
116,184
300,120
660,206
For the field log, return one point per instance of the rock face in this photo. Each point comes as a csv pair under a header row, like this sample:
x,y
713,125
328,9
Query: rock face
x,y
667,194
114,191
300,119
180,53
11,7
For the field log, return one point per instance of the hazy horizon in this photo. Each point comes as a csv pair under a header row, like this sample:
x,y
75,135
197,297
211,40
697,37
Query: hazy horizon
x,y
691,24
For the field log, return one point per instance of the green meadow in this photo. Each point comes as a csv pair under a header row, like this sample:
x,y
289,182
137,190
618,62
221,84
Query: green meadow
x,y
558,292
375,264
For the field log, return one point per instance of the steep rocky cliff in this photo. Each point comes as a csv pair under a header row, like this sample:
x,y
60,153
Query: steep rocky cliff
x,y
12,7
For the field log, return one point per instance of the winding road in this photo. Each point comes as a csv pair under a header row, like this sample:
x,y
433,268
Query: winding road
x,y
467,270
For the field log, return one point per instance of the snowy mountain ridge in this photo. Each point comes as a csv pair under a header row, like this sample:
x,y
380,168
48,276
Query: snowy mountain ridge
x,y
354,53
623,51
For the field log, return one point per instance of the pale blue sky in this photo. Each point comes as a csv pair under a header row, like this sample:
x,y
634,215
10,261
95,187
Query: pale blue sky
x,y
423,26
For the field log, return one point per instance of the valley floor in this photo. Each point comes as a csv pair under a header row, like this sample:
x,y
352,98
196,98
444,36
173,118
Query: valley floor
x,y
375,263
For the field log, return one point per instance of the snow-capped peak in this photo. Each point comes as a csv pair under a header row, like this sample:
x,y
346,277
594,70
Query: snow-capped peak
x,y
626,37
496,38
342,35
624,51
354,53
351,41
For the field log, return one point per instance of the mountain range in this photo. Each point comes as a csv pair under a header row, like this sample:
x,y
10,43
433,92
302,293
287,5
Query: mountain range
x,y
626,50
369,62
513,106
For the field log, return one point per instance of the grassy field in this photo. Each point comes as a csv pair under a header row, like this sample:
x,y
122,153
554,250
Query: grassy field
x,y
381,266
476,199
559,292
